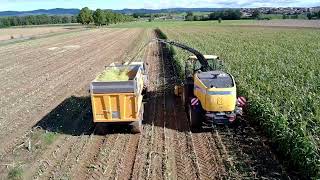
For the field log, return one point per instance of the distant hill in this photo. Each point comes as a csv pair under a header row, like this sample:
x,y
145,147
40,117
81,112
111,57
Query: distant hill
x,y
57,11
61,11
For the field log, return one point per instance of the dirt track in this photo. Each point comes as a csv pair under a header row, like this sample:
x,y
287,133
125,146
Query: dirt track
x,y
46,118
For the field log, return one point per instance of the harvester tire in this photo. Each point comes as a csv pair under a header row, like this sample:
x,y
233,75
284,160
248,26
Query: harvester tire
x,y
183,97
145,91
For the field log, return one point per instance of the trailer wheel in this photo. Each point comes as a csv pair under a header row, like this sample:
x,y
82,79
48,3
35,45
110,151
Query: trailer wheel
x,y
194,117
137,126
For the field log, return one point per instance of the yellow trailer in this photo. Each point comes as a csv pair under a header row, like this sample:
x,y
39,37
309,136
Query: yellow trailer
x,y
120,100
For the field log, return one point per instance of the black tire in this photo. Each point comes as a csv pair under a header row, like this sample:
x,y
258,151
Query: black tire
x,y
137,126
194,117
144,91
183,97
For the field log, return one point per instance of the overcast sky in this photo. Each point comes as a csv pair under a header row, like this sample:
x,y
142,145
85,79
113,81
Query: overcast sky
x,y
21,5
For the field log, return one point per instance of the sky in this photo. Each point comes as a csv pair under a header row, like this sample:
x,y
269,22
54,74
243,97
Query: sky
x,y
24,5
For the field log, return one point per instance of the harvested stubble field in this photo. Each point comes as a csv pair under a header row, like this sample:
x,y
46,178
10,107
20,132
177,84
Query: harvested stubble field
x,y
28,32
46,130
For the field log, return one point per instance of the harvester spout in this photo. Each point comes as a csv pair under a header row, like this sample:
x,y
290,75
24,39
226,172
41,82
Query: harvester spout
x,y
204,63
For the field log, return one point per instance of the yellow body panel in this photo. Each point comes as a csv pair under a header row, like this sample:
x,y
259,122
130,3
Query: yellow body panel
x,y
122,107
119,105
215,99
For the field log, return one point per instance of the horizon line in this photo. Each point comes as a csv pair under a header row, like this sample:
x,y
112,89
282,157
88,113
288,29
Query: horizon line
x,y
176,8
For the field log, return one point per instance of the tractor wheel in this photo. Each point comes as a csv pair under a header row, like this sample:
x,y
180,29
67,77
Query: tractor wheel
x,y
194,117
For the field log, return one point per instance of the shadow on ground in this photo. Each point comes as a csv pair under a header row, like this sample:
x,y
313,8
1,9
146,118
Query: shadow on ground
x,y
72,116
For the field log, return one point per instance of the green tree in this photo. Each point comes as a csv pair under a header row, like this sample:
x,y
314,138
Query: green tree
x,y
295,16
55,20
14,21
309,15
66,19
151,18
189,13
228,14
256,14
196,18
99,17
85,16
73,19
109,17
189,16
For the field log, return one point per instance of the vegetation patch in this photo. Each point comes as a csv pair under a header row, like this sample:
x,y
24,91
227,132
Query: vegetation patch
x,y
172,55
15,173
49,137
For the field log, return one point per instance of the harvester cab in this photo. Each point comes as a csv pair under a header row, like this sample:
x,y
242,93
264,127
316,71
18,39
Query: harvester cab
x,y
213,61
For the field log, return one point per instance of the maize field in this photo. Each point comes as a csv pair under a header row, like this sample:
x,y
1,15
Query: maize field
x,y
277,69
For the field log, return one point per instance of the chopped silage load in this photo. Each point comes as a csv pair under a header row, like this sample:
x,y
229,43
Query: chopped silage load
x,y
114,75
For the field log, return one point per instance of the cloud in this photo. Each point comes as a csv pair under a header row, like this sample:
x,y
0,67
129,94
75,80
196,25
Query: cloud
x,y
162,4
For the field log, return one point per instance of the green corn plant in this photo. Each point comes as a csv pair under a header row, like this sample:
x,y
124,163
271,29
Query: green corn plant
x,y
278,70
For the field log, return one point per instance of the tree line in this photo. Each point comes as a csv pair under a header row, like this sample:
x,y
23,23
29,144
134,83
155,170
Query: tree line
x,y
85,16
235,14
144,15
229,14
101,17
35,20
313,15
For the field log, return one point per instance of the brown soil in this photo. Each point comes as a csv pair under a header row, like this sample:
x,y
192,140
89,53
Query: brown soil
x,y
46,93
21,33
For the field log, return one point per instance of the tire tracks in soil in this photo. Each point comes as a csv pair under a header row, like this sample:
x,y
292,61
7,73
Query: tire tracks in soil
x,y
74,73
73,142
98,142
140,161
155,159
104,166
